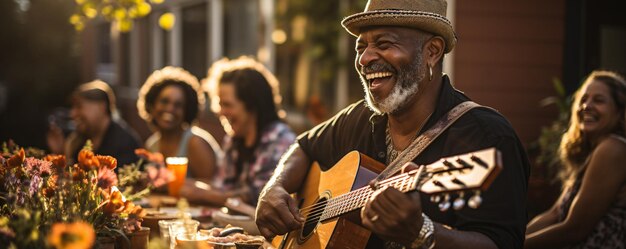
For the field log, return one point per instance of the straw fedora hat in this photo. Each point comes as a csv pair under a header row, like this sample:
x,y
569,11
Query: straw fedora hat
x,y
426,15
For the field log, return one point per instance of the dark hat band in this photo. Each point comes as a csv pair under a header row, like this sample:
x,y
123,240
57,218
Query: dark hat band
x,y
392,13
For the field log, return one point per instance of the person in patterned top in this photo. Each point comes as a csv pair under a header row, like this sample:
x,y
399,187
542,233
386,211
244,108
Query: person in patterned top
x,y
245,96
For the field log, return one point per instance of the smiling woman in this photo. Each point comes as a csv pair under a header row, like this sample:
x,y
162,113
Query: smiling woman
x,y
170,101
245,95
591,212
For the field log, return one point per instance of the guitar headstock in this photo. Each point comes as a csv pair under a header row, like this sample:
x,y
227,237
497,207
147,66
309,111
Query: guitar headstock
x,y
473,171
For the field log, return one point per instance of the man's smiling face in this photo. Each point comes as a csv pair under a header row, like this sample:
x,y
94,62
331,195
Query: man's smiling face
x,y
389,63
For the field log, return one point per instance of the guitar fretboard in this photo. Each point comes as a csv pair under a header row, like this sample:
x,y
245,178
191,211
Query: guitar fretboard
x,y
357,198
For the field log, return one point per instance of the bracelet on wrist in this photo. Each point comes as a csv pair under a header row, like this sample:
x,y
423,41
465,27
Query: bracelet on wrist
x,y
426,237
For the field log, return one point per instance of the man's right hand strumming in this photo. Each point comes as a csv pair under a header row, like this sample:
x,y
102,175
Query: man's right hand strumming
x,y
277,212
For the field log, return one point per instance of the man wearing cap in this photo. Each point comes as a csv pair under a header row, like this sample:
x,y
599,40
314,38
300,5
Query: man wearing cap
x,y
400,47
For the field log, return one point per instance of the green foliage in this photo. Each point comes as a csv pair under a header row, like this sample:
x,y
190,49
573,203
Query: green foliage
x,y
548,142
133,182
314,30
10,147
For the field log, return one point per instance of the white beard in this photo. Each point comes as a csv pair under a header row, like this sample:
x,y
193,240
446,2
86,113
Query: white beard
x,y
406,86
398,98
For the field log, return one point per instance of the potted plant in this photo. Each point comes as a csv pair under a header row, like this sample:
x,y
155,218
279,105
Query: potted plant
x,y
543,184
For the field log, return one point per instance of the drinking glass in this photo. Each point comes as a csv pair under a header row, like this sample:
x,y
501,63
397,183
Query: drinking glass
x,y
191,240
182,227
164,228
178,166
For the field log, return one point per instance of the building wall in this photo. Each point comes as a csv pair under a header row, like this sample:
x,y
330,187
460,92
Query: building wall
x,y
507,55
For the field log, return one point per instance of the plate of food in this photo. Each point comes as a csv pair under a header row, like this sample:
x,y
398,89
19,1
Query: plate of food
x,y
243,221
233,237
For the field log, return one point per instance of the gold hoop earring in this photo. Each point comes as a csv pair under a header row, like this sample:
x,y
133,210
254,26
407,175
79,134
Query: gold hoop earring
x,y
430,70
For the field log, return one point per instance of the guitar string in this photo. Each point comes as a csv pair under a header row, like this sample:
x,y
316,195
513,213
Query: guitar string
x,y
317,217
314,218
321,204
356,193
343,208
401,183
384,182
319,210
345,202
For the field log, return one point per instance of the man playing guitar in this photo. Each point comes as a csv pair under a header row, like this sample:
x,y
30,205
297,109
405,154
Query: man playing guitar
x,y
400,49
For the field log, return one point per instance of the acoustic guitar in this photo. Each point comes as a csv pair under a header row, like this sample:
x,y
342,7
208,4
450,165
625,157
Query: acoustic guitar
x,y
327,198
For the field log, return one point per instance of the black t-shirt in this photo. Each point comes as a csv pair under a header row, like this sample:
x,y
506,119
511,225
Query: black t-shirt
x,y
502,215
119,141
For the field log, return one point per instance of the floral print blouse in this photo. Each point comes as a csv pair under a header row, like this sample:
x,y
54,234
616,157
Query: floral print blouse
x,y
274,141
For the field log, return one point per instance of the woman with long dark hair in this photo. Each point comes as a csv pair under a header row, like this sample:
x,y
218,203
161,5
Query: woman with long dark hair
x,y
245,96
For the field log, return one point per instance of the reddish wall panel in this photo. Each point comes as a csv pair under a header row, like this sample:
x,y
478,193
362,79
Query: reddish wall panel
x,y
507,56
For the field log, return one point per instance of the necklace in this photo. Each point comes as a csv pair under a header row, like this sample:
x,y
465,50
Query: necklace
x,y
392,153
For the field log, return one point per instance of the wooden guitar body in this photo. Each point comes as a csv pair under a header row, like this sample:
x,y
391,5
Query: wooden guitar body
x,y
328,198
353,171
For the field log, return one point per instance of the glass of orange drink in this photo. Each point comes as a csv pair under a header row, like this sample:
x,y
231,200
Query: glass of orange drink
x,y
178,167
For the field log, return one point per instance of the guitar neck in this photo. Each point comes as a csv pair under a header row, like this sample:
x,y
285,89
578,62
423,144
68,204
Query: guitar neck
x,y
356,199
471,171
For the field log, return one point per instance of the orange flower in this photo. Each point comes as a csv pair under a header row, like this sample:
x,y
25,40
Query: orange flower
x,y
107,161
87,160
78,174
115,203
51,186
133,210
154,157
58,161
17,159
77,235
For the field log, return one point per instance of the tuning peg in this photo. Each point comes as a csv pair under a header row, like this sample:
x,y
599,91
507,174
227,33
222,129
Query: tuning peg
x,y
479,161
463,163
435,198
445,204
459,202
475,201
458,182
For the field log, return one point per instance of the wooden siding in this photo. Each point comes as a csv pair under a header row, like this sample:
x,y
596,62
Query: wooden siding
x,y
507,55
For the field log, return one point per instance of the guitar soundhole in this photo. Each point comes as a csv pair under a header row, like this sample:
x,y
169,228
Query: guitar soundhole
x,y
313,218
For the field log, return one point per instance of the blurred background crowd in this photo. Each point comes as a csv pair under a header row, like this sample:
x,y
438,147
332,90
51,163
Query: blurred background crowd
x,y
524,58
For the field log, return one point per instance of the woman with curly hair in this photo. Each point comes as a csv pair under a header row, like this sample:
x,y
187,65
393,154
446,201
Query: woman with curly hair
x,y
170,101
245,96
591,212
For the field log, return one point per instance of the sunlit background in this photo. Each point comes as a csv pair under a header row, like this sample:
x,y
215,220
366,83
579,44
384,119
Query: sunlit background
x,y
509,55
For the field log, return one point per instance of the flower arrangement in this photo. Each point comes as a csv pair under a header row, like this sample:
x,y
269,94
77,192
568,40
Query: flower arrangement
x,y
46,203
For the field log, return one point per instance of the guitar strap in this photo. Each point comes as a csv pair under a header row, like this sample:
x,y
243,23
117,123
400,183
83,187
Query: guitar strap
x,y
421,143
